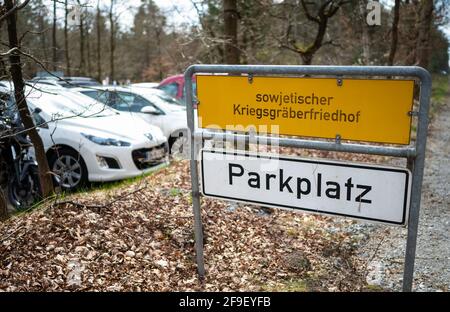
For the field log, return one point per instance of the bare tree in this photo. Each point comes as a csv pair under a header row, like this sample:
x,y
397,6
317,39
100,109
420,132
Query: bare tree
x,y
66,38
394,33
112,43
43,35
326,10
54,48
88,48
3,206
423,49
82,66
209,37
99,32
231,17
19,94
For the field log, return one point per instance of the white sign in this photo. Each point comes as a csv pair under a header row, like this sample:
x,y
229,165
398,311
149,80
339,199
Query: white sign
x,y
360,191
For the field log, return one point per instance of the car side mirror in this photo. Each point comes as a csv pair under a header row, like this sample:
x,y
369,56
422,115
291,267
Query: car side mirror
x,y
38,120
150,110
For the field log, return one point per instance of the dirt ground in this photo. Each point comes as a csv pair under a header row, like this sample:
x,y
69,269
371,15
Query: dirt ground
x,y
432,269
139,237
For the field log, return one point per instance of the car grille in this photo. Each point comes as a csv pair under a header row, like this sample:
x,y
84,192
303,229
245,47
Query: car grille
x,y
142,157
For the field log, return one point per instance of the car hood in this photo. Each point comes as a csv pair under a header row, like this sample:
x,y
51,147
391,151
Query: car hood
x,y
118,126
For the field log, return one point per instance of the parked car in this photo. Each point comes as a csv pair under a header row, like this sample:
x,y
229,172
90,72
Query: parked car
x,y
160,93
148,105
66,82
174,86
88,141
145,84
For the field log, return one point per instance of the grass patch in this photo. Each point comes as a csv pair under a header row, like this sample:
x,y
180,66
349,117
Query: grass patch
x,y
107,186
175,192
373,288
307,284
296,286
439,93
91,188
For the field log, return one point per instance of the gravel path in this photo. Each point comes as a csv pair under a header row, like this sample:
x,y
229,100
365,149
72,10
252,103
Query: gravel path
x,y
432,269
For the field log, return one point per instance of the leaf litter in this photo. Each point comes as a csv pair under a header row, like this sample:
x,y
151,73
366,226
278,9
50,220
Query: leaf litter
x,y
144,241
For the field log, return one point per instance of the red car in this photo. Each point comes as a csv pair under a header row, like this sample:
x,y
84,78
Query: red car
x,y
174,85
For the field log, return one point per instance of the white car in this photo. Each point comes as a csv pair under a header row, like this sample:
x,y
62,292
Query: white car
x,y
150,105
88,141
145,84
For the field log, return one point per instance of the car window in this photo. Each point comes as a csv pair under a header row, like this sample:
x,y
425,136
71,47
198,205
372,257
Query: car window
x,y
194,93
170,99
99,95
126,101
171,89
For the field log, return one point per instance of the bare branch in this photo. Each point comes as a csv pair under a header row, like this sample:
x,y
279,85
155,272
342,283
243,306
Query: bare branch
x,y
17,7
308,15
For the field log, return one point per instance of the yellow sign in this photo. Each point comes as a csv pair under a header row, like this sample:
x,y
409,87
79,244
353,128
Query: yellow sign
x,y
355,109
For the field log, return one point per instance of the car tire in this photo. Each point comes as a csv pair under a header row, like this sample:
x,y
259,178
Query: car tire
x,y
23,194
69,169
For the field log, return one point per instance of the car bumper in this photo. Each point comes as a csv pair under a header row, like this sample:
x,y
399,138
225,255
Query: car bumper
x,y
122,162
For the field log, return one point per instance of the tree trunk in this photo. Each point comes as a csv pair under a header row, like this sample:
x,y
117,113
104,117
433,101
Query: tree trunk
x,y
326,10
423,48
307,58
3,206
66,39
54,48
158,42
43,39
88,52
19,94
82,70
99,65
394,32
231,17
111,42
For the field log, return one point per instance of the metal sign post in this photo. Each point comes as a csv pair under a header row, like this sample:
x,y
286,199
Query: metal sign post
x,y
414,152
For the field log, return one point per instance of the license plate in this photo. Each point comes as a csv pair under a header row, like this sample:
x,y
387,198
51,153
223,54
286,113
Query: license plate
x,y
155,154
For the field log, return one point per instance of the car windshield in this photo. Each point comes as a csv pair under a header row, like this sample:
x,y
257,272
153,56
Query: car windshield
x,y
158,99
169,99
66,104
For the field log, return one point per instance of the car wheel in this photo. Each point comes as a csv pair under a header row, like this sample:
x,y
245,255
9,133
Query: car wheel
x,y
179,149
69,169
22,194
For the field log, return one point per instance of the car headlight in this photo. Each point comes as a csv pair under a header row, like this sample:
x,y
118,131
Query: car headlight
x,y
105,141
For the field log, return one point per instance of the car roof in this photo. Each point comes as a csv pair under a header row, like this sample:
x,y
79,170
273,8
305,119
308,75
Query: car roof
x,y
145,84
171,78
102,88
